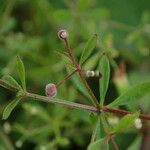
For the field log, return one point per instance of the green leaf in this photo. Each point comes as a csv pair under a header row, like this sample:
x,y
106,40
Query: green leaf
x,y
88,49
66,60
135,144
136,92
99,145
98,132
11,81
9,108
77,82
75,78
91,62
21,71
104,69
126,122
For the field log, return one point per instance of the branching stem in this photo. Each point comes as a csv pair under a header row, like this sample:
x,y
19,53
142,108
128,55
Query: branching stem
x,y
72,57
66,78
70,104
114,143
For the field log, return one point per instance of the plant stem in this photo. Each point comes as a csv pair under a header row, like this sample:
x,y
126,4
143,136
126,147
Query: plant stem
x,y
71,54
70,104
114,143
72,57
89,90
60,101
124,112
66,78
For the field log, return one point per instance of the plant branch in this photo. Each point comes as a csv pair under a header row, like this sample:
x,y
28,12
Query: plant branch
x,y
95,101
71,104
114,143
60,101
89,90
71,54
123,112
66,78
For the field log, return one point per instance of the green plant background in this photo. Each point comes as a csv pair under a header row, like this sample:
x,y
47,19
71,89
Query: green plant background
x,y
29,28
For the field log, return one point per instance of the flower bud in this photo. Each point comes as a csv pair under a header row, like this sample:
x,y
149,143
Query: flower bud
x,y
51,90
90,73
62,34
113,120
138,123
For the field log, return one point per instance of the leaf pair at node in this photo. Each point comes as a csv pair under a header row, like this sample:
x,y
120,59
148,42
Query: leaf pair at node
x,y
12,82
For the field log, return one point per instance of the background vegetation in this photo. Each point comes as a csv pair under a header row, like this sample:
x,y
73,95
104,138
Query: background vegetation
x,y
29,28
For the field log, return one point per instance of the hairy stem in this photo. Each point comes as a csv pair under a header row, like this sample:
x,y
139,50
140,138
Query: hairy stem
x,y
89,90
70,104
124,112
60,101
71,54
114,143
95,101
67,78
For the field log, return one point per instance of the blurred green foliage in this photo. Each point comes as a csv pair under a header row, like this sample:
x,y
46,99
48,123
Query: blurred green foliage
x,y
29,28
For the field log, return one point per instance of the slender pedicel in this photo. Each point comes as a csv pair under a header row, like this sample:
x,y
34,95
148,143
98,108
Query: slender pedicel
x,y
66,78
61,34
51,88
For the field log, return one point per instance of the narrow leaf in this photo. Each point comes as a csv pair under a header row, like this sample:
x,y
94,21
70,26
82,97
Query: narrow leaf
x,y
10,80
126,122
91,62
75,78
66,60
99,145
9,108
21,71
77,82
98,132
136,92
88,49
135,144
104,68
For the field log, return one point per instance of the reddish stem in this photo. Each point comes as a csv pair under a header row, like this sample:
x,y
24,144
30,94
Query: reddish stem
x,y
66,78
123,112
71,55
114,143
80,73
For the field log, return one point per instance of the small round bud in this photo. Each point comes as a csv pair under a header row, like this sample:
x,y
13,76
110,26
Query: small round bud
x,y
90,73
50,90
138,123
113,120
62,34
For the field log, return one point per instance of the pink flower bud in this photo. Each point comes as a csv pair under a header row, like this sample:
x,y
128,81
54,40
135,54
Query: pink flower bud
x,y
62,34
50,90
